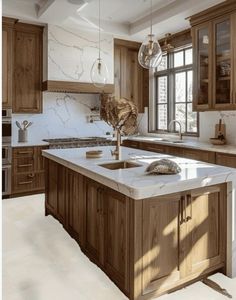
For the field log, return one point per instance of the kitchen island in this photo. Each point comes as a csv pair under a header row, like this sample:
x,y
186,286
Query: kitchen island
x,y
150,234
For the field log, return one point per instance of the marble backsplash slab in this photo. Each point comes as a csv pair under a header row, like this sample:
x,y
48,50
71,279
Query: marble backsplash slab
x,y
71,54
206,127
64,115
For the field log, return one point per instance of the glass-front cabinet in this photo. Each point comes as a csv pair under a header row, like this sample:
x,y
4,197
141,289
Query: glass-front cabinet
x,y
214,48
222,63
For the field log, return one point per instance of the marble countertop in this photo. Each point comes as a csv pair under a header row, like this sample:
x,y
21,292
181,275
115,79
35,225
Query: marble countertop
x,y
16,144
134,182
230,149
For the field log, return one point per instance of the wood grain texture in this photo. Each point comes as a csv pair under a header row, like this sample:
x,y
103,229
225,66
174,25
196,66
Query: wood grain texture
x,y
209,19
75,87
227,160
116,256
160,253
27,68
28,170
7,61
131,80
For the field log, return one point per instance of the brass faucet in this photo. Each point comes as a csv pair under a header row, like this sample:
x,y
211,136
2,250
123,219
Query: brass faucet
x,y
117,152
180,128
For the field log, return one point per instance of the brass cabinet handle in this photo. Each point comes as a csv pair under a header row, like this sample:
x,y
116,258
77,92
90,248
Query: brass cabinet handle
x,y
25,182
189,201
25,165
31,175
182,210
25,152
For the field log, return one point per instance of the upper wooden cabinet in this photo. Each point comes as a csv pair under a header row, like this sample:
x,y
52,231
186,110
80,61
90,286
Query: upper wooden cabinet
x,y
7,60
22,66
27,68
214,45
131,80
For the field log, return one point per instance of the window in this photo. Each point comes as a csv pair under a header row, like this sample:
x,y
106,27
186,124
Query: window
x,y
174,80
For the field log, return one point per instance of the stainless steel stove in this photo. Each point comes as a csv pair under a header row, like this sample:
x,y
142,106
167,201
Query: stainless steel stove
x,y
63,143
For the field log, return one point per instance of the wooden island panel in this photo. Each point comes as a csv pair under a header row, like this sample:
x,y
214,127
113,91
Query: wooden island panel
x,y
147,247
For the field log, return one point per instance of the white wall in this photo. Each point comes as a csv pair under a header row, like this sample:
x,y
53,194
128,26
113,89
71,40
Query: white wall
x,y
208,121
207,124
64,115
69,57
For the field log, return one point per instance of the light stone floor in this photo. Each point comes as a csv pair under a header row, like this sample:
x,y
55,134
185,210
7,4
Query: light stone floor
x,y
42,262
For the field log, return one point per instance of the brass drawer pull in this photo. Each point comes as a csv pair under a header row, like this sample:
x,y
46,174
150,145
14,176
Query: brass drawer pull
x,y
31,175
26,165
189,200
25,152
25,182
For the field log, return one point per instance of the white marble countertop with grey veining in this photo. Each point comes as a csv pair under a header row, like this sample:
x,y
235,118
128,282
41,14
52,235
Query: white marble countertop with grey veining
x,y
134,182
193,144
32,143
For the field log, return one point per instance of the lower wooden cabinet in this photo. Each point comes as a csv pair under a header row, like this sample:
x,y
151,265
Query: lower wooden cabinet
x,y
227,160
206,156
183,236
147,247
116,237
28,170
94,221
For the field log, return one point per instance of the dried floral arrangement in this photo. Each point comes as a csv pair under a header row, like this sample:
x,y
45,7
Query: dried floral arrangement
x,y
121,114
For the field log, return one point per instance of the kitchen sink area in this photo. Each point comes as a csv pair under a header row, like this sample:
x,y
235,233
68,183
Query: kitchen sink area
x,y
120,165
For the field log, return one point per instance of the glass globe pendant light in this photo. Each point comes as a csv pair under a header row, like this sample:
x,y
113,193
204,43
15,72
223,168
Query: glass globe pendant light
x,y
150,54
99,72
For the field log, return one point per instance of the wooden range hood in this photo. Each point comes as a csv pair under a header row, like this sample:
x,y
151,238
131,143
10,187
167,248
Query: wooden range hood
x,y
75,87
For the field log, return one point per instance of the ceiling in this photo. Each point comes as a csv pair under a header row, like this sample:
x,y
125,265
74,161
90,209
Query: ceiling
x,y
123,18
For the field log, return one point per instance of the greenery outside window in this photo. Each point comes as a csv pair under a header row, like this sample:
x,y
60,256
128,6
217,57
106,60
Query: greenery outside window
x,y
173,97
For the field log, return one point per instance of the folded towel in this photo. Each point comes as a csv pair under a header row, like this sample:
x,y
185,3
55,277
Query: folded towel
x,y
163,166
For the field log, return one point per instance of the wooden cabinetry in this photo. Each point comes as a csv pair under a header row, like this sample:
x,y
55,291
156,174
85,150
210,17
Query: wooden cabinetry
x,y
131,80
28,170
206,156
186,234
28,47
213,33
116,237
22,66
148,246
227,160
94,222
7,61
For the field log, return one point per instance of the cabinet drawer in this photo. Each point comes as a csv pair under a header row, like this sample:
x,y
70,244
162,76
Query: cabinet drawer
x,y
28,182
23,152
205,156
153,147
131,144
23,164
226,160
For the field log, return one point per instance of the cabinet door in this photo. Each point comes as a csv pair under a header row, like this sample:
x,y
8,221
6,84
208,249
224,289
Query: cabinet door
x,y
206,156
163,234
206,230
233,43
222,64
27,70
202,47
6,66
226,160
116,214
75,205
51,187
94,237
61,193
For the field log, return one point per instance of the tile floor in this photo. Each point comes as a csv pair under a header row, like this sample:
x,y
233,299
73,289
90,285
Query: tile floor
x,y
42,262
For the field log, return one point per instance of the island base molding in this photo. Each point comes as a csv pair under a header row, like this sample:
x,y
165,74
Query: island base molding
x,y
147,247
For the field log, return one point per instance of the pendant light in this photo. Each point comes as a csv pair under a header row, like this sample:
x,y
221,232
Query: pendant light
x,y
167,47
150,53
99,72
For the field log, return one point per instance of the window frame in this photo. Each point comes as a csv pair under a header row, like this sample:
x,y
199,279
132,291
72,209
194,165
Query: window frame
x,y
171,72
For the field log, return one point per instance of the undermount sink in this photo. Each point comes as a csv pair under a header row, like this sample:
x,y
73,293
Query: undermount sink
x,y
120,165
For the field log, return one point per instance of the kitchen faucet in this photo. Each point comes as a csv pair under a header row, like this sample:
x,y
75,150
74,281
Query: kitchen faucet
x,y
180,128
